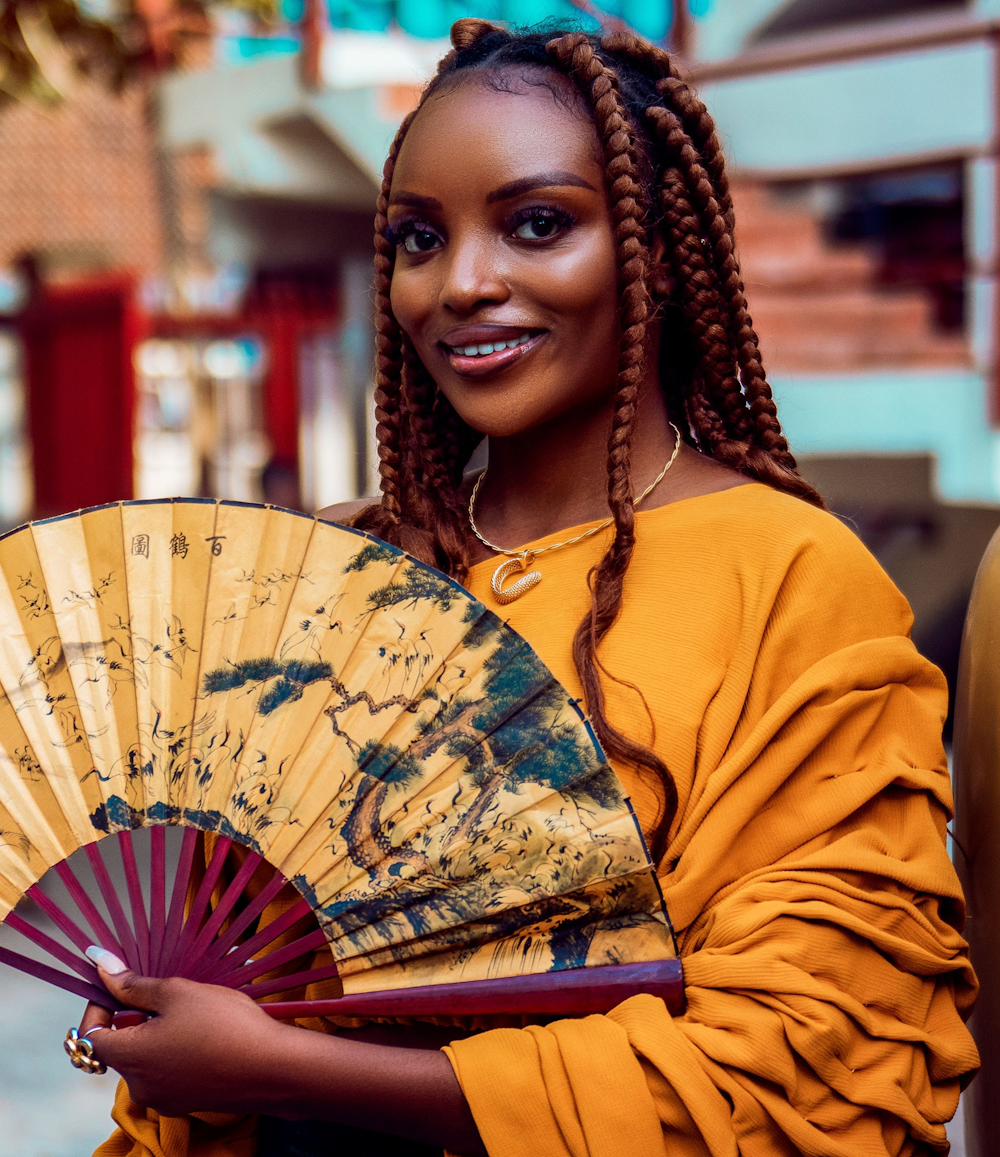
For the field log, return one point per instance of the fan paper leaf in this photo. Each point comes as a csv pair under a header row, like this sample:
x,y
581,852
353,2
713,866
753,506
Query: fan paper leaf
x,y
353,717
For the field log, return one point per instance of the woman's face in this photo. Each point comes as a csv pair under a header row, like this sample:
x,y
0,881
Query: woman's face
x,y
505,275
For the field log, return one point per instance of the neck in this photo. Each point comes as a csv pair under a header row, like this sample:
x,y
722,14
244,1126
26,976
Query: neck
x,y
554,476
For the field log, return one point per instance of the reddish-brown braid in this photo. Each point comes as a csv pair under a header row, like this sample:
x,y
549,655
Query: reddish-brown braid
x,y
726,427
664,169
433,497
388,359
709,191
598,84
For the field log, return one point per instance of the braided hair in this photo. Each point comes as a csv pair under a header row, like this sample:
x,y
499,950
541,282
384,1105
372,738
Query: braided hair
x,y
665,171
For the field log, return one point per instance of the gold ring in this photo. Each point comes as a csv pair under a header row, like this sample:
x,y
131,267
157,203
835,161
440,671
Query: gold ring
x,y
81,1054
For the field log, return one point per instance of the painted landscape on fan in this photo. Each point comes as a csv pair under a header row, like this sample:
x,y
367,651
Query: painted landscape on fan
x,y
351,716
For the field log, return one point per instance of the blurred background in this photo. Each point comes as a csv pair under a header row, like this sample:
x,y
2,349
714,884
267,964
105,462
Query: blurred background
x,y
186,194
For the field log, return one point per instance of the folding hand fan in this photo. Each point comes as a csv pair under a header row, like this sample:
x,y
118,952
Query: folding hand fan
x,y
355,723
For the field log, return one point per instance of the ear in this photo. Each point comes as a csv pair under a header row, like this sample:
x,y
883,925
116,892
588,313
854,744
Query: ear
x,y
660,277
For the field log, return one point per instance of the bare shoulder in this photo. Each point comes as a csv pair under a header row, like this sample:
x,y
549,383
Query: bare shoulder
x,y
342,511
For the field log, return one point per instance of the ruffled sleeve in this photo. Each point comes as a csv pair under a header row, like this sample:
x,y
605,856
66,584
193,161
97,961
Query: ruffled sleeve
x,y
817,913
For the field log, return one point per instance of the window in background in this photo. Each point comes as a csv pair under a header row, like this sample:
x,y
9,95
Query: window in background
x,y
200,419
858,273
913,222
15,451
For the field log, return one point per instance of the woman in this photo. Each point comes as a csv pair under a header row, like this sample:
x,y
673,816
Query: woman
x,y
555,261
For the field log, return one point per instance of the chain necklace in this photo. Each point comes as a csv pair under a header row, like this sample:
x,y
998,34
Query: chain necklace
x,y
520,560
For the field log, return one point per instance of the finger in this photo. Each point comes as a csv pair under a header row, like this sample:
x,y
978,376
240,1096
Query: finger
x,y
127,987
95,1017
106,1045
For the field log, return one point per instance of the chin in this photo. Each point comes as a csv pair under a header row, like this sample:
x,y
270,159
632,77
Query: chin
x,y
501,418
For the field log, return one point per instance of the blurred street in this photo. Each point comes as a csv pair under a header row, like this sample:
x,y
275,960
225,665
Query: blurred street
x,y
47,1108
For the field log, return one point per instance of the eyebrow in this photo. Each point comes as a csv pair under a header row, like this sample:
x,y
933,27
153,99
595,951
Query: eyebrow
x,y
415,200
539,181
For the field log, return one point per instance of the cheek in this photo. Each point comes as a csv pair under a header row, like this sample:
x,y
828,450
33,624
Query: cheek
x,y
413,296
580,285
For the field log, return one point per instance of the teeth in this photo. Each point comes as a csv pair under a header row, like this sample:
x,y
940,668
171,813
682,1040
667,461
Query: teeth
x,y
473,351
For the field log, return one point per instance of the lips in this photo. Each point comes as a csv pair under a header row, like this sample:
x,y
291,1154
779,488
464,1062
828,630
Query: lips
x,y
475,351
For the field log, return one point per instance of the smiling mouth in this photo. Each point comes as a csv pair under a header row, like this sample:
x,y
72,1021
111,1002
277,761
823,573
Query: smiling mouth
x,y
480,358
485,349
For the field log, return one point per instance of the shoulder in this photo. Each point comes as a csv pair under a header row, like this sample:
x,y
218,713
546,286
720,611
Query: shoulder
x,y
808,540
770,527
788,560
825,581
343,512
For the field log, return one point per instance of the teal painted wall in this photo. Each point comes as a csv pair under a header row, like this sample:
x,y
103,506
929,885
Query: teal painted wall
x,y
898,413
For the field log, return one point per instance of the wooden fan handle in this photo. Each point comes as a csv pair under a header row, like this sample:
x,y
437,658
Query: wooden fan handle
x,y
574,992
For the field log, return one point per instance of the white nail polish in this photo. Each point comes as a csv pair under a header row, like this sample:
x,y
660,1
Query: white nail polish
x,y
105,960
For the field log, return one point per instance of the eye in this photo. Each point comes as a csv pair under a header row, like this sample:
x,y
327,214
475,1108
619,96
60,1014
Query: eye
x,y
414,237
540,224
420,241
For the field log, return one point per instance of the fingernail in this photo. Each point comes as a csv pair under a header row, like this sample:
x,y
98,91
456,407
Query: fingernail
x,y
105,960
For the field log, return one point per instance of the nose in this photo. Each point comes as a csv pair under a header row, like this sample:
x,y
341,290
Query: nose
x,y
473,275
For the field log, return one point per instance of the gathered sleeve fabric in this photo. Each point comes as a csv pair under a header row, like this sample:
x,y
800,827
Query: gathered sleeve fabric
x,y
817,914
143,1132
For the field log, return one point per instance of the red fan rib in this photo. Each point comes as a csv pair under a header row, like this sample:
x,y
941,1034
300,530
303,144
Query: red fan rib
x,y
295,980
574,992
225,906
249,948
58,917
61,980
244,973
104,936
157,895
182,952
250,913
59,951
178,897
139,921
126,937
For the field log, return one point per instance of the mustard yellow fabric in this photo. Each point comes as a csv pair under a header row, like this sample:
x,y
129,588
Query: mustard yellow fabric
x,y
816,910
806,876
144,1133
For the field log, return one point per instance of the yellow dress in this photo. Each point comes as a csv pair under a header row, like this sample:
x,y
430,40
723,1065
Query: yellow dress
x,y
817,913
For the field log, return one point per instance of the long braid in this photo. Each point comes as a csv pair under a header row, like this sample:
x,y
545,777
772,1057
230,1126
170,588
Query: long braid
x,y
457,438
598,84
386,518
682,190
433,485
727,425
691,131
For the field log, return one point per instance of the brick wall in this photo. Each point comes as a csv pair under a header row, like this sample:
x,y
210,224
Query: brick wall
x,y
78,184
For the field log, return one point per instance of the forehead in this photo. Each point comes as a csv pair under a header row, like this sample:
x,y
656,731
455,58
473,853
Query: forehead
x,y
475,134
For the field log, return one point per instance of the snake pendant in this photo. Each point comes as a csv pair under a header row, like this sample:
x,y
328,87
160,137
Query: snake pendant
x,y
522,586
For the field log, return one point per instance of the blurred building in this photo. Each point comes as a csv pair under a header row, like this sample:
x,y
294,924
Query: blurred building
x,y
863,134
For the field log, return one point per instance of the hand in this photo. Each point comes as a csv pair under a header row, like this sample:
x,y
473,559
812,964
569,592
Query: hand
x,y
208,1049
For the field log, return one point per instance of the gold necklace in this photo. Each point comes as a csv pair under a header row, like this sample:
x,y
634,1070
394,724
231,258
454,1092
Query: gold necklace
x,y
520,560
